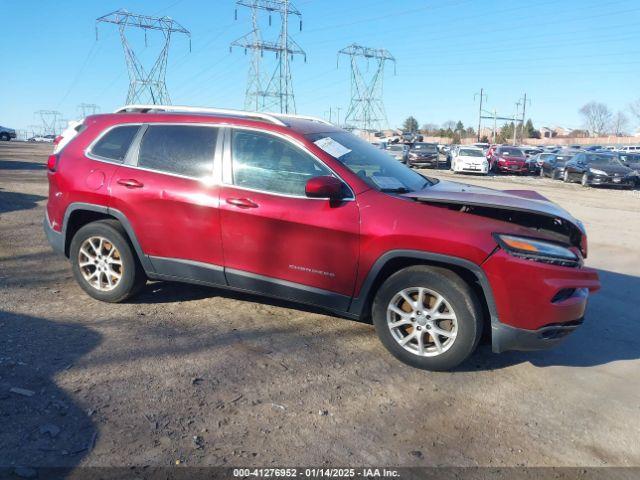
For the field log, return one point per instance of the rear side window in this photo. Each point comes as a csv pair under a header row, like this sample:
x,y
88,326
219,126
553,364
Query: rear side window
x,y
268,163
180,149
114,144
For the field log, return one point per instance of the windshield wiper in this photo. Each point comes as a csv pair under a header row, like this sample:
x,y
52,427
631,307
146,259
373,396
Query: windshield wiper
x,y
396,190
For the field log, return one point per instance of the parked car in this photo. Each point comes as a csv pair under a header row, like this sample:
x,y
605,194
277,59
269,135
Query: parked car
x,y
599,169
554,166
6,134
41,139
299,209
631,160
535,162
399,151
593,148
424,155
629,149
529,151
469,159
509,159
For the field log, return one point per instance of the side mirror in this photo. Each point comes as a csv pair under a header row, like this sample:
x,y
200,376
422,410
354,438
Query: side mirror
x,y
324,186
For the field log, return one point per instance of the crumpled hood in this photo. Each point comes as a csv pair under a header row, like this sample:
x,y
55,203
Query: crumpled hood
x,y
519,200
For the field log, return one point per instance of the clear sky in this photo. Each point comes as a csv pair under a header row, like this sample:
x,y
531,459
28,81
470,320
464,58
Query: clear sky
x,y
562,54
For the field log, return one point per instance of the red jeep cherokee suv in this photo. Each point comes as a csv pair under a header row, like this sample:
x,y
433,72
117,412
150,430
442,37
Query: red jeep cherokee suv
x,y
295,208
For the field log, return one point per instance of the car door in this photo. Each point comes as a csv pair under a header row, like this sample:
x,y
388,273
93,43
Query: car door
x,y
275,239
169,196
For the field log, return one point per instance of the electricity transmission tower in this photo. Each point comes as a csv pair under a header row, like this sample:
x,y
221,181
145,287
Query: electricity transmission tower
x,y
50,121
145,86
274,92
87,109
366,109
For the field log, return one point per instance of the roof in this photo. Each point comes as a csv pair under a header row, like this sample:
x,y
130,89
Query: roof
x,y
300,123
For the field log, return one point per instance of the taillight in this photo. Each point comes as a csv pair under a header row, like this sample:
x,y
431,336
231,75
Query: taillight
x,y
52,163
56,140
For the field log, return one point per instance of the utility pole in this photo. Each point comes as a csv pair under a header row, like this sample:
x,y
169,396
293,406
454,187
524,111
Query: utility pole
x,y
338,121
495,124
366,108
524,107
276,92
482,97
145,86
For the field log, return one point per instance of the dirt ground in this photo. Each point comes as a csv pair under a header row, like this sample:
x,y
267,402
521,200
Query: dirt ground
x,y
213,378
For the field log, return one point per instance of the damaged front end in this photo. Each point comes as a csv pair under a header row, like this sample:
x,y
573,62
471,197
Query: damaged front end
x,y
525,208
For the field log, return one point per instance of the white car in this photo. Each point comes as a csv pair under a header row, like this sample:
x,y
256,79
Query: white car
x,y
469,159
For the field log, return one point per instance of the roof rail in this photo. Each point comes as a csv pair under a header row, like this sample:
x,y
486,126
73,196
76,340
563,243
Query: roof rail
x,y
303,117
215,111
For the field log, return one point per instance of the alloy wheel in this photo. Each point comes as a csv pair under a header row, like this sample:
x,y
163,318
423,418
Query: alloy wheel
x,y
585,180
422,321
100,263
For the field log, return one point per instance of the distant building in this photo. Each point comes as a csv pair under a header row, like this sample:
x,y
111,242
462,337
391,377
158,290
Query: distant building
x,y
552,132
546,132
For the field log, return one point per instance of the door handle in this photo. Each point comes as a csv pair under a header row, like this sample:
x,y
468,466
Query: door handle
x,y
130,183
242,203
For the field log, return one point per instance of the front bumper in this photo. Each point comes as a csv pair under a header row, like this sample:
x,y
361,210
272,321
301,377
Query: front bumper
x,y
474,169
537,304
505,337
611,181
424,162
513,168
56,239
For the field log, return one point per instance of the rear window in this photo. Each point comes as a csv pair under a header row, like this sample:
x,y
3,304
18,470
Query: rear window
x,y
114,144
510,152
184,150
426,147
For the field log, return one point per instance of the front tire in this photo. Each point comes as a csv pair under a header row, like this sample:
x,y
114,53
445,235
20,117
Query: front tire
x,y
585,180
104,263
427,317
566,178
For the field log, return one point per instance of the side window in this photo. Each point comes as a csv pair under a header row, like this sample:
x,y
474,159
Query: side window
x,y
115,143
181,149
265,162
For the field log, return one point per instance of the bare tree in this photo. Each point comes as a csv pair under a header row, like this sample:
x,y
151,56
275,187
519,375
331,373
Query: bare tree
x,y
620,124
634,109
597,117
449,125
429,127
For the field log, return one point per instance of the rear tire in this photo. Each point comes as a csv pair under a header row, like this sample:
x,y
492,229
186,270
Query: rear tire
x,y
5,137
448,306
104,262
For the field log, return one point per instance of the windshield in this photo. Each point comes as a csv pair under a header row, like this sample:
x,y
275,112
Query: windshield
x,y
395,148
425,147
470,152
375,167
629,157
510,152
547,156
597,159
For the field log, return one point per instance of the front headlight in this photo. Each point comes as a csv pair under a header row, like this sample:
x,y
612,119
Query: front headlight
x,y
537,250
595,171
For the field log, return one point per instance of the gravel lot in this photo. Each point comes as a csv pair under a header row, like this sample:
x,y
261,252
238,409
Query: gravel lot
x,y
212,378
